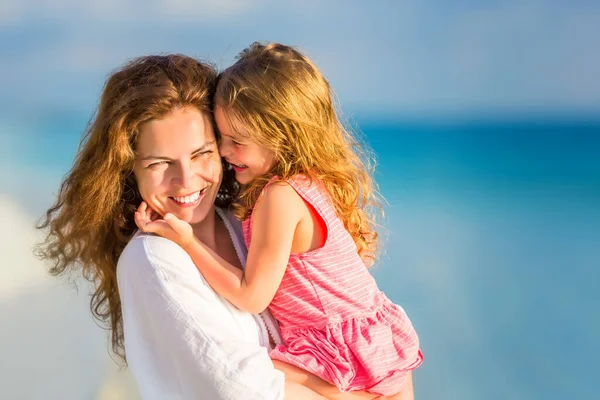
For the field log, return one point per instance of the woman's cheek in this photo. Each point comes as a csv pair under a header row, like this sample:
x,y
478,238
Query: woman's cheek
x,y
216,169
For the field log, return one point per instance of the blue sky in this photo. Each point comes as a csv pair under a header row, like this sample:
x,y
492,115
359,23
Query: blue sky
x,y
393,59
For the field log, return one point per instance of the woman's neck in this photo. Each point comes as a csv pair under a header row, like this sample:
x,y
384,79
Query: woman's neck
x,y
206,230
214,234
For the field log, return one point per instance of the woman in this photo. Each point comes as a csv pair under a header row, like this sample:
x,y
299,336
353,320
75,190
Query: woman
x,y
152,139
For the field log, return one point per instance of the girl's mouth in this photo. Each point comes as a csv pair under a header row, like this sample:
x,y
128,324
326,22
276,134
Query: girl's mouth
x,y
239,168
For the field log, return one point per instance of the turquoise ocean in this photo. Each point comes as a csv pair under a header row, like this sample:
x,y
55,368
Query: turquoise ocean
x,y
491,243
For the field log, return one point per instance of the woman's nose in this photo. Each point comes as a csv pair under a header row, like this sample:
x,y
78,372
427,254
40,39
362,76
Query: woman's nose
x,y
185,174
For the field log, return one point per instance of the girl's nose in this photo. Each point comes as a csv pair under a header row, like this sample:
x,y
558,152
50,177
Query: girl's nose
x,y
223,149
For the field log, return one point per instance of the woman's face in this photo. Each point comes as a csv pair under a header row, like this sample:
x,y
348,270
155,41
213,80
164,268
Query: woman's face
x,y
177,165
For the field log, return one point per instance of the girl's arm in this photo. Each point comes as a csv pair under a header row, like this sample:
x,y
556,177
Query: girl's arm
x,y
295,390
275,218
274,221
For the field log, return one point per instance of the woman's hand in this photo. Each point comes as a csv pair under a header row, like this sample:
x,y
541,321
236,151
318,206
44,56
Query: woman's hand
x,y
169,227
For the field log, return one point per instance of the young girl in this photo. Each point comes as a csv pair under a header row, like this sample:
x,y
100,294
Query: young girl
x,y
305,212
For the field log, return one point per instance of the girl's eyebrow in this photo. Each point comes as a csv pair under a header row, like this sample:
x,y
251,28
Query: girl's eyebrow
x,y
234,137
198,150
226,135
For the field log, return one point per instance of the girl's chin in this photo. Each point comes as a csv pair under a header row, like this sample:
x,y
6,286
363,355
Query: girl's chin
x,y
243,181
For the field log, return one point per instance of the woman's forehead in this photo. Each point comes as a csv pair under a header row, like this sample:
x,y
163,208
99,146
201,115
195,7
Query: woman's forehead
x,y
183,130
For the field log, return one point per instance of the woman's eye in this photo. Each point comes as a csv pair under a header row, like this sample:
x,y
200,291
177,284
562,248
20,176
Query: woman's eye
x,y
236,143
202,154
156,164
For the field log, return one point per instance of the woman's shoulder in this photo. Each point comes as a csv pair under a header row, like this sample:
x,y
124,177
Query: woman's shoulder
x,y
153,256
148,245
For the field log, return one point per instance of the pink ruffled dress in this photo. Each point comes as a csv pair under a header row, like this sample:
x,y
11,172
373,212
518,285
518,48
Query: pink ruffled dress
x,y
334,321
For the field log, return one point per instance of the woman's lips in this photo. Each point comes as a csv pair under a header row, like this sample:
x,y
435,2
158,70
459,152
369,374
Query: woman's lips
x,y
190,200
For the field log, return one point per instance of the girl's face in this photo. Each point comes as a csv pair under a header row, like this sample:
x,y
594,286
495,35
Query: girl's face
x,y
249,159
177,165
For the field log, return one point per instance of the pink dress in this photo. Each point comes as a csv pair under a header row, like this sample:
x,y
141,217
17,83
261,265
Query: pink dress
x,y
334,321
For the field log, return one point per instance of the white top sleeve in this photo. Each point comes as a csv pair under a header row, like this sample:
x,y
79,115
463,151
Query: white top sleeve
x,y
182,340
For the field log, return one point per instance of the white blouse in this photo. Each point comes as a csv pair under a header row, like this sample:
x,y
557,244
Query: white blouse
x,y
184,341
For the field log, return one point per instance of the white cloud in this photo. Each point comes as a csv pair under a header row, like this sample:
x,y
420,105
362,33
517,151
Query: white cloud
x,y
20,269
48,337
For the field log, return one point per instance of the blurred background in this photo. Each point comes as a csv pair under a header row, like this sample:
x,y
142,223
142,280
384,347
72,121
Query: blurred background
x,y
485,116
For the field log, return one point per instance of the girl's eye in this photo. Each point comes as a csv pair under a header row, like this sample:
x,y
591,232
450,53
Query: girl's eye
x,y
236,143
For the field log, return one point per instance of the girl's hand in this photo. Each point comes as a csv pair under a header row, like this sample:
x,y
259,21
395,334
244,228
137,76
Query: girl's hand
x,y
169,227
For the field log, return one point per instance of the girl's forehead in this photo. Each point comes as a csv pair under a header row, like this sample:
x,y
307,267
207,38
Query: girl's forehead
x,y
229,123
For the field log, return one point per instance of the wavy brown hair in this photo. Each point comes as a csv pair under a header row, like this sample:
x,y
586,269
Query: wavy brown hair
x,y
287,105
91,221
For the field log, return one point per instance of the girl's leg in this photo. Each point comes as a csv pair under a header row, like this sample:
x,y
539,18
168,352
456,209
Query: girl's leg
x,y
324,388
407,392
296,391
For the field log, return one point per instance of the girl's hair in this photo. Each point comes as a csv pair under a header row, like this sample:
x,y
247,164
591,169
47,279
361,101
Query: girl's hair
x,y
286,105
92,220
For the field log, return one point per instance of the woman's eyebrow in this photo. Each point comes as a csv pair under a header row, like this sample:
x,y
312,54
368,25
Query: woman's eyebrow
x,y
151,157
204,147
198,150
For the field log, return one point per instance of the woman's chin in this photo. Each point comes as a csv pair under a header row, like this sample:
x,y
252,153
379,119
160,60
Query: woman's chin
x,y
199,214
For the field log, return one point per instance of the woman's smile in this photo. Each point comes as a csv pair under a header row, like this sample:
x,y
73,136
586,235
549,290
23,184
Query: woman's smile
x,y
189,200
